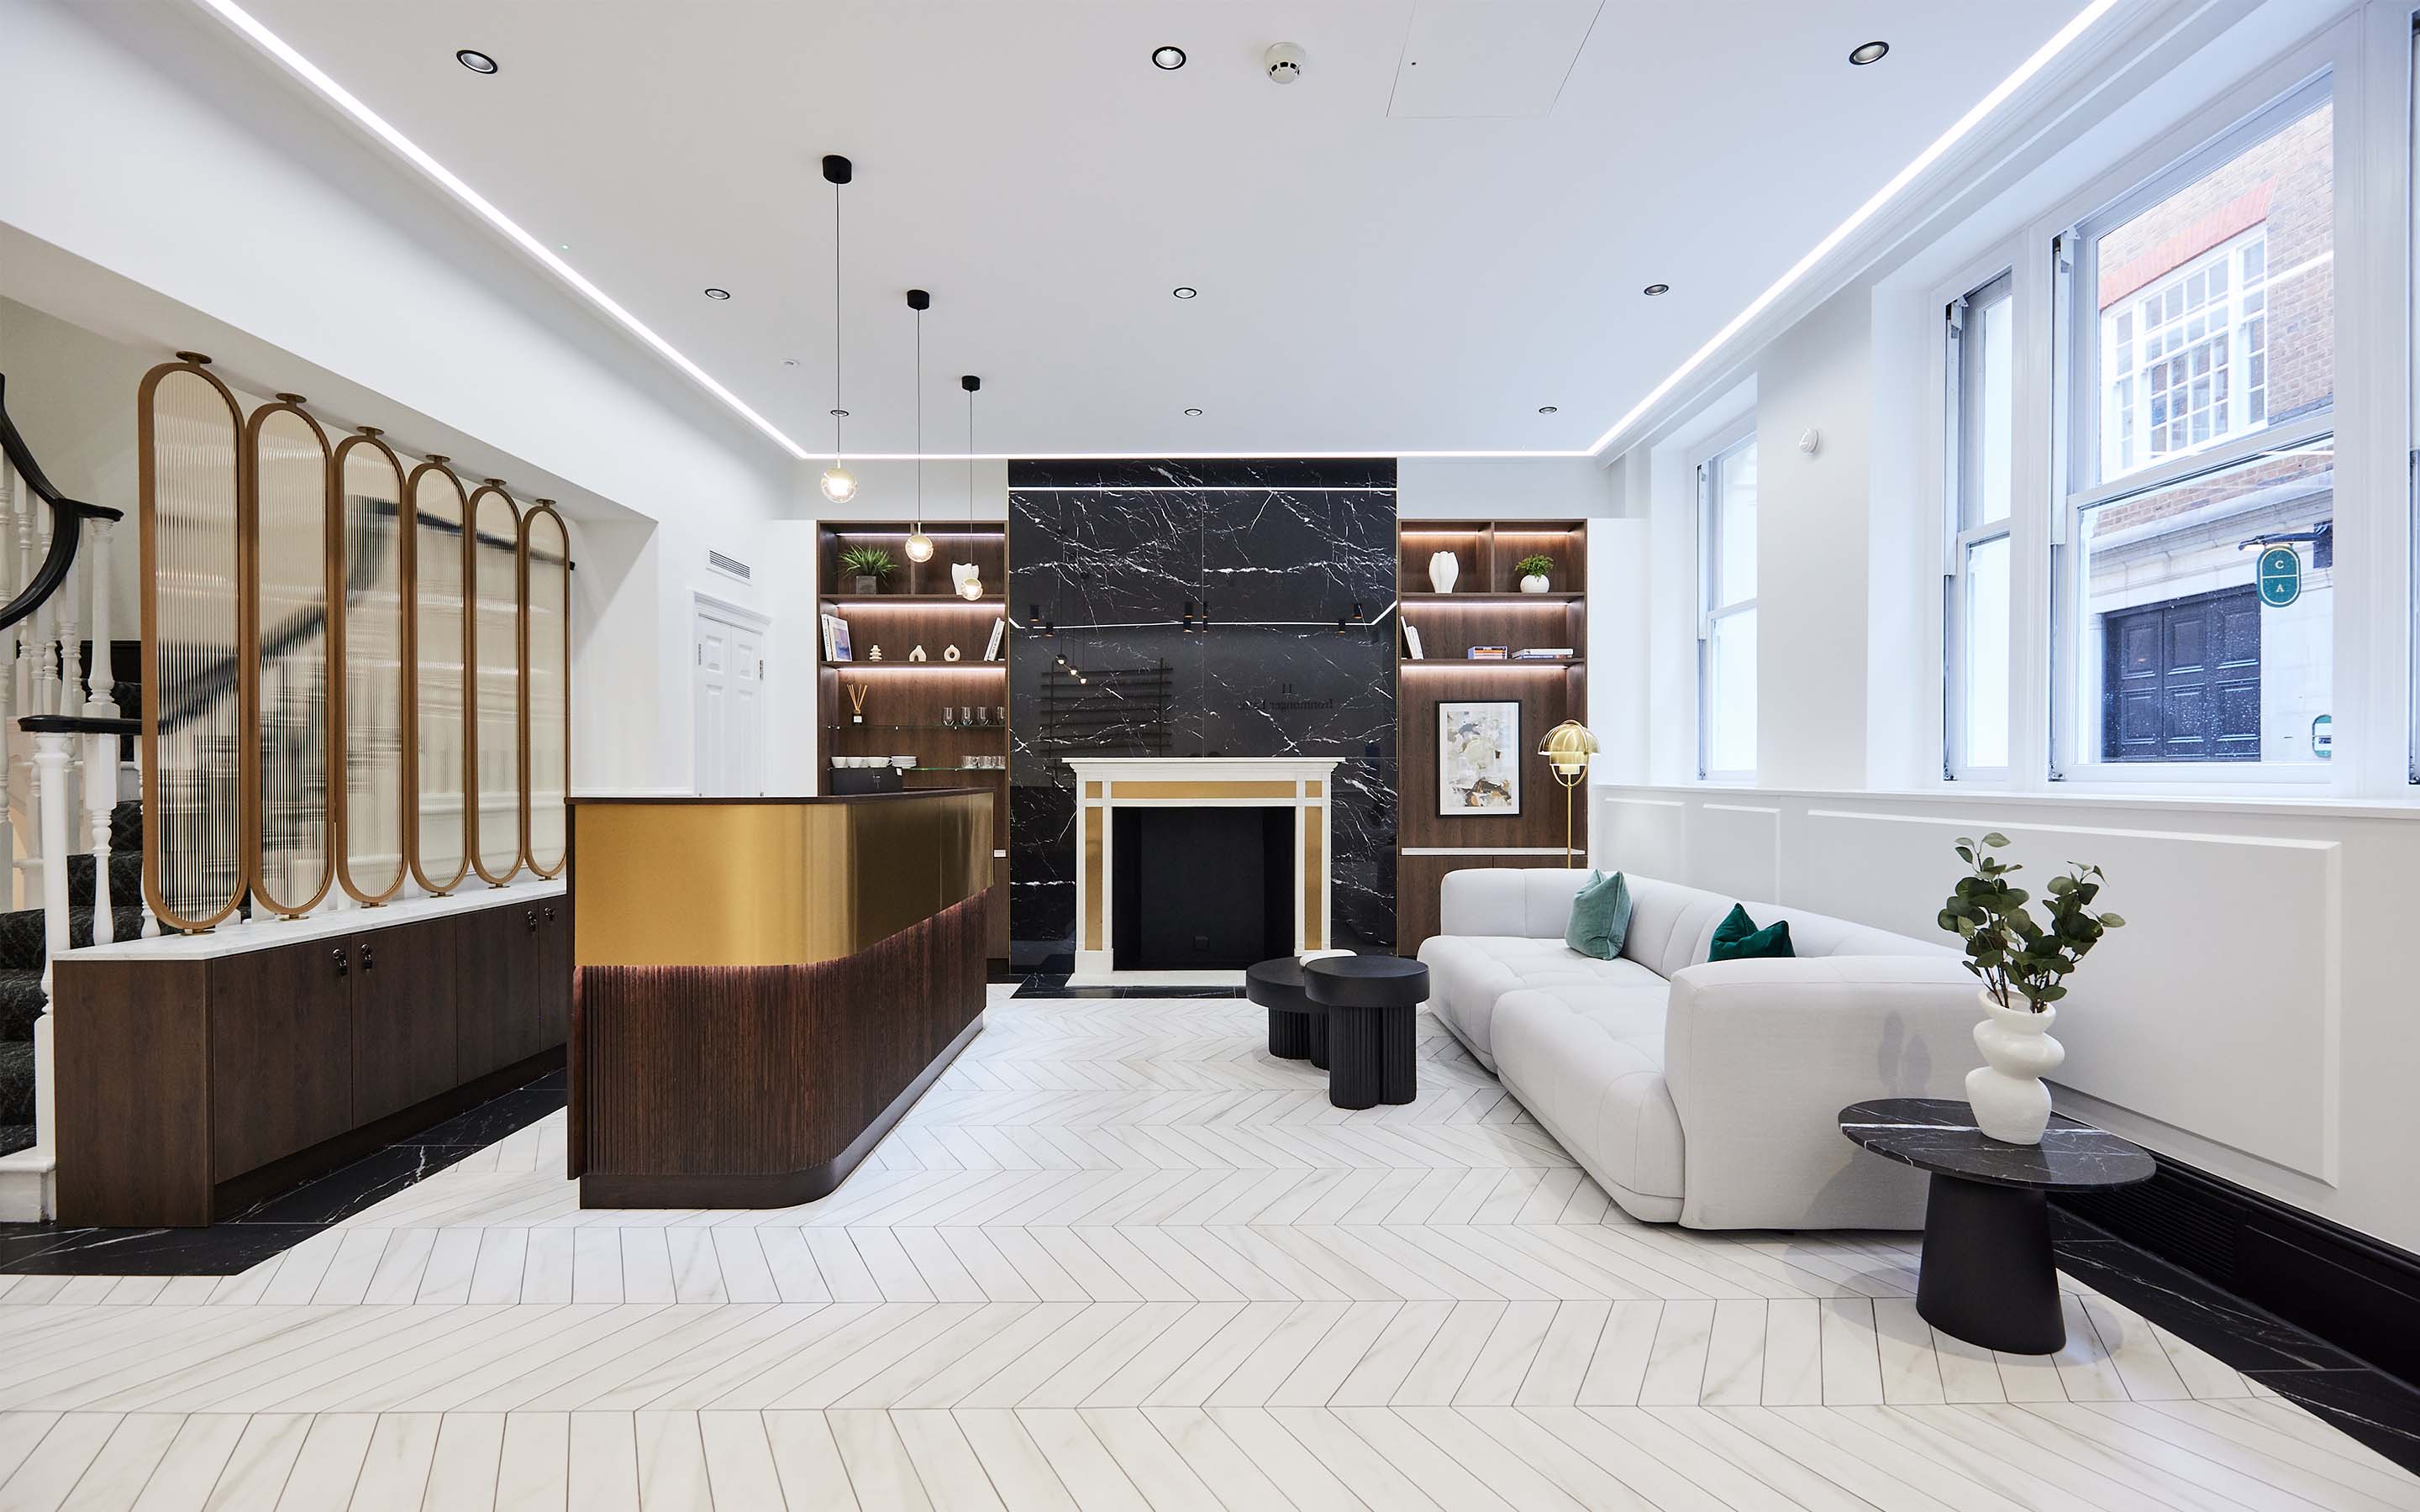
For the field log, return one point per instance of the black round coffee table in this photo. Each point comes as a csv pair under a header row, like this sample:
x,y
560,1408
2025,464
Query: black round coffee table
x,y
1373,1002
1987,1275
1298,1026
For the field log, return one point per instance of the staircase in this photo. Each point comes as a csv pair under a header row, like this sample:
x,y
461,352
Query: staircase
x,y
23,954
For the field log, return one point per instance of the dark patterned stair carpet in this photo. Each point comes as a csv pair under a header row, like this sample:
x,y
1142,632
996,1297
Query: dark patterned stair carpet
x,y
17,1081
21,1002
15,1136
22,933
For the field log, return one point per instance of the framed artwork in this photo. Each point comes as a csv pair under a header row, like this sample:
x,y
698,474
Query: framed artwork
x,y
1478,758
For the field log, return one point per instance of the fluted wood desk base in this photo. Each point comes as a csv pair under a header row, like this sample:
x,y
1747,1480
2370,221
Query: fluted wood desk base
x,y
764,1087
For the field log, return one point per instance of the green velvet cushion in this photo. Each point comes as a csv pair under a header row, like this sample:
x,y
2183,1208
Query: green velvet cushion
x,y
1737,939
1600,916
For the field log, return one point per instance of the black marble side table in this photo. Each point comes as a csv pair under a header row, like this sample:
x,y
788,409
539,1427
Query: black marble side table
x,y
1373,1002
1987,1275
1298,1026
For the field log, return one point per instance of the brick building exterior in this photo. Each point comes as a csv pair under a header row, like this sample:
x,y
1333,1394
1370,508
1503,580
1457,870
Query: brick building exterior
x,y
2215,319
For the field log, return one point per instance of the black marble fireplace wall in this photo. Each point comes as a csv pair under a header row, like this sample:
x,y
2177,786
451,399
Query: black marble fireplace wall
x,y
1276,551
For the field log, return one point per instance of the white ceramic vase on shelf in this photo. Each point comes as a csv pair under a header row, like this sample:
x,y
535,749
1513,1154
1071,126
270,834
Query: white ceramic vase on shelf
x,y
1443,570
1534,583
2011,1103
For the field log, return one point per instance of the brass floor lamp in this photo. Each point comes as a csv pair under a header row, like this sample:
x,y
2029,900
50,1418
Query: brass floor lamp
x,y
1567,748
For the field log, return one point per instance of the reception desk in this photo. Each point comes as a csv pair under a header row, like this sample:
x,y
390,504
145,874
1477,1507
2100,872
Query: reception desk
x,y
762,986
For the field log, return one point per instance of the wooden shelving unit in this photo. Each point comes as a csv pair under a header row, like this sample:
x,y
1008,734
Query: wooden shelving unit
x,y
904,701
1486,607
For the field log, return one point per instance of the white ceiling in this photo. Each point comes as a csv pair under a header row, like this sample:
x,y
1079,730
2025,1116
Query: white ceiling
x,y
1370,280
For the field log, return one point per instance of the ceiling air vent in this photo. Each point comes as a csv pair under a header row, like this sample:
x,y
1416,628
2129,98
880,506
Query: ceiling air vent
x,y
730,566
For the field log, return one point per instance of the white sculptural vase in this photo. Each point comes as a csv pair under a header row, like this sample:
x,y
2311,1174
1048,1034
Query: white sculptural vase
x,y
2011,1103
1443,570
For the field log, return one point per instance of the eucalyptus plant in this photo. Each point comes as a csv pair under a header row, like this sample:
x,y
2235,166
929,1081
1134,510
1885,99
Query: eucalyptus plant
x,y
2005,945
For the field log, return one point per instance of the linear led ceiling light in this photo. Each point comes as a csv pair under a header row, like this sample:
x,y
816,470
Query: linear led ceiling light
x,y
2060,42
377,125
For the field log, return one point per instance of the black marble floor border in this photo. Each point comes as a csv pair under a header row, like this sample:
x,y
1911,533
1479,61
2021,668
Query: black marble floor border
x,y
1054,985
276,1225
2343,1391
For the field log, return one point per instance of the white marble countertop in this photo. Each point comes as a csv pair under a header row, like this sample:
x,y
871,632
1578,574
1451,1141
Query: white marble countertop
x,y
236,937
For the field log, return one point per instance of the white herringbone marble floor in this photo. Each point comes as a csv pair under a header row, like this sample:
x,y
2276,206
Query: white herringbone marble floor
x,y
1117,1257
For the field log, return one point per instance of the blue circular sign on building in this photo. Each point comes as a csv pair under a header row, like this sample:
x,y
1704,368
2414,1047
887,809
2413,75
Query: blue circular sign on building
x,y
2281,576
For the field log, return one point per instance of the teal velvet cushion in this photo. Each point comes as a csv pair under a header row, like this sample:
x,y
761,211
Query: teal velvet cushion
x,y
1737,939
1600,916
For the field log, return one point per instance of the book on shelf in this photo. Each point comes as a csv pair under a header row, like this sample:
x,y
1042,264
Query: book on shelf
x,y
1412,642
836,646
1488,654
1543,654
999,634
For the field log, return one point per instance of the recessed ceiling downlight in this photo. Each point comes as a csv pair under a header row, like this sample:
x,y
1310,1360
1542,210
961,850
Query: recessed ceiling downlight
x,y
475,61
1193,411
1184,291
1654,289
718,294
1548,408
1168,59
1865,53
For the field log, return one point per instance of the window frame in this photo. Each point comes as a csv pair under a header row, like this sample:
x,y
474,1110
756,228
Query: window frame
x,y
1961,537
2198,145
1730,442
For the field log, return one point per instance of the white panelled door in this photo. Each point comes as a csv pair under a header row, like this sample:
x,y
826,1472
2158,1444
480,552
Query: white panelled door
x,y
729,668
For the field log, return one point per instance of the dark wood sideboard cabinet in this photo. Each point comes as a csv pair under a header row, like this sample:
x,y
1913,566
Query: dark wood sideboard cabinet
x,y
198,1075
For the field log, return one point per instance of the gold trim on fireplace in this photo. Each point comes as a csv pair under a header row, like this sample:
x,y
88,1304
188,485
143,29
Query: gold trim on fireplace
x,y
1145,792
1313,874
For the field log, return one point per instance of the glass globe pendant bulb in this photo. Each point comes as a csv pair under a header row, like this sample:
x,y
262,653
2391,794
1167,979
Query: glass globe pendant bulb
x,y
840,483
919,545
971,590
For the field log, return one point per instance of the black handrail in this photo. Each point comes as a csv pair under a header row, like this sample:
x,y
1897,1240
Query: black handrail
x,y
67,530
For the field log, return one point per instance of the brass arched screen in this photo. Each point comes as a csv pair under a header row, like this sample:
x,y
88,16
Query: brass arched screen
x,y
546,687
191,490
436,749
373,627
287,509
495,684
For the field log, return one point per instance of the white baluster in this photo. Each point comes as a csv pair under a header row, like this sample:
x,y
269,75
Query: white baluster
x,y
100,792
50,778
72,693
101,698
46,640
12,499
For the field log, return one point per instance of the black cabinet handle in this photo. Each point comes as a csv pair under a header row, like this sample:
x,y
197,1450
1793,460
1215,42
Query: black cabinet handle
x,y
343,967
369,962
532,920
550,913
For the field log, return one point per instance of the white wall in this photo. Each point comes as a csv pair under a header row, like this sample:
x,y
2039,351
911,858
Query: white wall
x,y
312,258
2255,1017
1496,488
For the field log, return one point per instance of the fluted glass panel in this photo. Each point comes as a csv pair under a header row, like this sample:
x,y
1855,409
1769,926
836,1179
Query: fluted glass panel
x,y
439,854
196,820
549,688
496,746
290,464
372,574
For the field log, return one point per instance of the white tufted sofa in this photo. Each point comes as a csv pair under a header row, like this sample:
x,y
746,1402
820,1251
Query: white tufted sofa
x,y
1701,1093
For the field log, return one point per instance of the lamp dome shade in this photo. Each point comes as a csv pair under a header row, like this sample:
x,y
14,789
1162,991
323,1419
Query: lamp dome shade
x,y
1569,745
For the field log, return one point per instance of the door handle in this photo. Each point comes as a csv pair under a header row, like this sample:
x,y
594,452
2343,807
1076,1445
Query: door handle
x,y
532,920
343,967
369,962
550,913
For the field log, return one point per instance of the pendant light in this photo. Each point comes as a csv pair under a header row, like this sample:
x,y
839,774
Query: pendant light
x,y
919,545
968,576
838,483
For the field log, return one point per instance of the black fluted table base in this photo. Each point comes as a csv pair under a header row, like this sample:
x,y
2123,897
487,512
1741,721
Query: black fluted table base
x,y
1289,1035
1372,1057
1318,1038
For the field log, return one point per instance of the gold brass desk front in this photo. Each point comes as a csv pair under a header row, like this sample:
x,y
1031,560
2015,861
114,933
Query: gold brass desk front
x,y
764,986
764,882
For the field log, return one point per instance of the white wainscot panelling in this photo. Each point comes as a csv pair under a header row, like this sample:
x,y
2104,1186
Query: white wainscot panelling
x,y
1735,849
2216,1010
1649,835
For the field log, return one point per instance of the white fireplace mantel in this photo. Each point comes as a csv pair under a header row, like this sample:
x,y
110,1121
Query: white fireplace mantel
x,y
1301,783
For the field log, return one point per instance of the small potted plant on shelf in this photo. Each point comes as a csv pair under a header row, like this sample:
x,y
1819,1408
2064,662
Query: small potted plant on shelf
x,y
1533,571
2023,963
867,566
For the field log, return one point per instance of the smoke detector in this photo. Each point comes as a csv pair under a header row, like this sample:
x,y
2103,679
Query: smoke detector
x,y
1284,61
